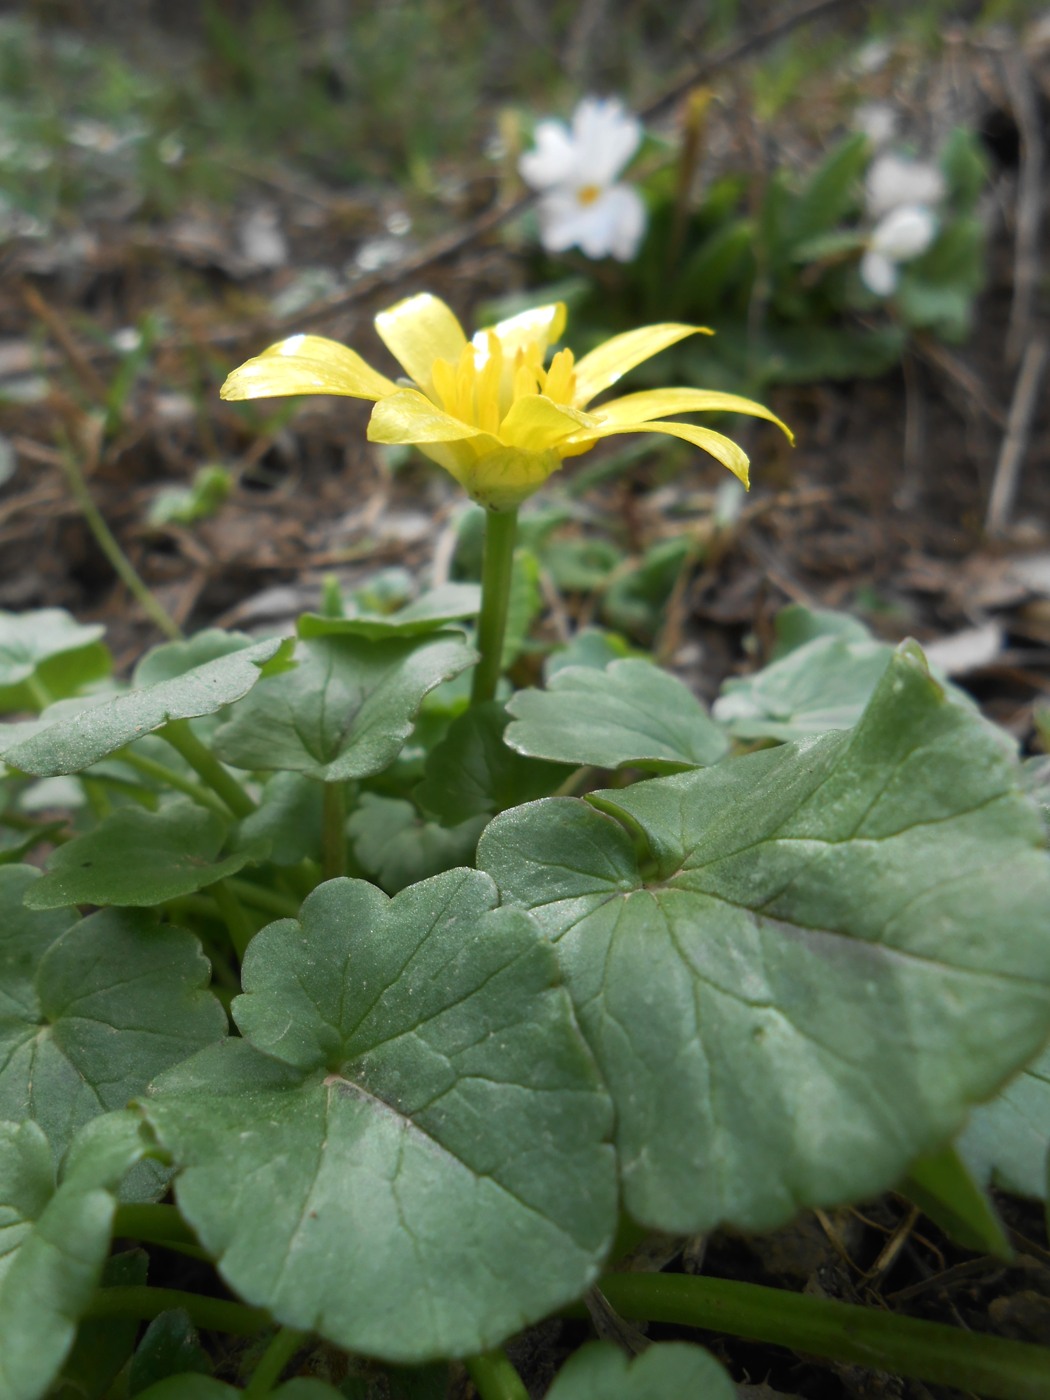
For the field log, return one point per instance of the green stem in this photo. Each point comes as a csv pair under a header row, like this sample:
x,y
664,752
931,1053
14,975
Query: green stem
x,y
494,1377
157,1224
274,1359
904,1346
170,777
238,925
497,566
110,547
268,901
214,1314
207,767
333,832
38,691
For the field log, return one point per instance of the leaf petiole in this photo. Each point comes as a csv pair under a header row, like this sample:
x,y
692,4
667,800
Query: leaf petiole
x,y
494,1377
903,1346
207,767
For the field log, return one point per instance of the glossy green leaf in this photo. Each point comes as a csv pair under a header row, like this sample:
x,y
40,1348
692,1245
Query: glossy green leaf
x,y
47,653
48,1278
429,613
137,857
91,1009
821,685
472,772
346,710
75,741
395,846
631,714
1007,1140
796,625
941,1185
664,1371
800,968
287,821
170,660
170,1346
413,1107
593,646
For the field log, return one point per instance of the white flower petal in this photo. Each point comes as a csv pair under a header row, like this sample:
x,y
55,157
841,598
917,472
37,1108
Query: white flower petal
x,y
553,161
606,137
878,273
894,180
611,225
905,233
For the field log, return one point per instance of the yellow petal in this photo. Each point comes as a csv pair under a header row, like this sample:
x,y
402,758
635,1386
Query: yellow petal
x,y
535,423
418,331
540,326
723,449
655,403
306,364
609,362
409,416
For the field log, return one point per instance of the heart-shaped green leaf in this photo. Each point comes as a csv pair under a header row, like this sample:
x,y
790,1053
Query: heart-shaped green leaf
x,y
57,1243
138,857
797,969
346,710
472,772
170,660
631,714
821,685
1007,1140
666,1371
412,1107
47,654
429,613
92,1009
75,741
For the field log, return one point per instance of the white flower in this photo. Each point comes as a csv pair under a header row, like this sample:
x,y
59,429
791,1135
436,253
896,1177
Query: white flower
x,y
878,121
904,233
895,180
581,204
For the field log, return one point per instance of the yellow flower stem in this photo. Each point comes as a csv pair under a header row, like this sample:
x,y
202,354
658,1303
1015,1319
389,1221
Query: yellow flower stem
x,y
501,528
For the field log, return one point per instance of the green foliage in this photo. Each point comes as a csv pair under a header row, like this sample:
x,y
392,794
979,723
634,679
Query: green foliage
x,y
751,983
630,714
665,1371
765,926
185,505
773,268
353,1105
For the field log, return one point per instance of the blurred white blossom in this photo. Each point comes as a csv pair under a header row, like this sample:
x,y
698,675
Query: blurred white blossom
x,y
904,233
895,180
581,203
878,122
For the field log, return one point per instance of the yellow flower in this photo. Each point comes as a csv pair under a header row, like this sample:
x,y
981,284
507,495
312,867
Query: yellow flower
x,y
486,409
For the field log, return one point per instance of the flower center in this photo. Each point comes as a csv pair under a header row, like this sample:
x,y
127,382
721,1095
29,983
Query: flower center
x,y
587,194
481,386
